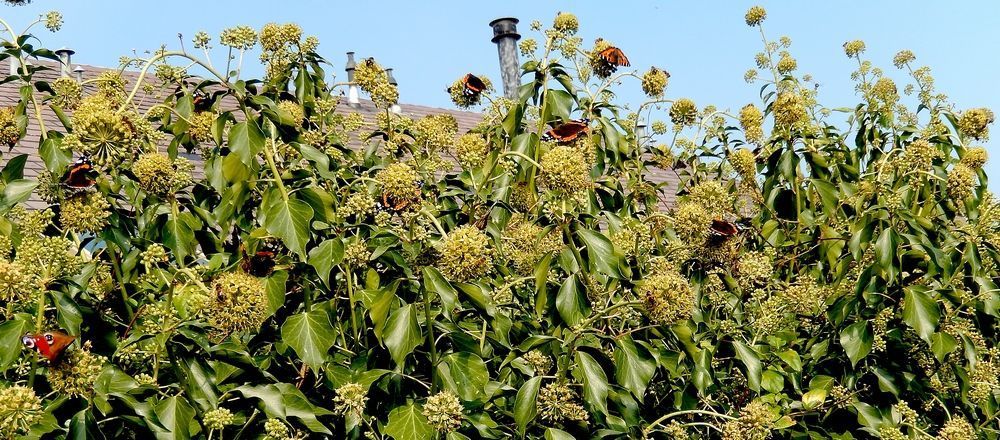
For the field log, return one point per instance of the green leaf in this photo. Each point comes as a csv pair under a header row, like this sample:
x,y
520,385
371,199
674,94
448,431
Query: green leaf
x,y
571,302
408,422
10,341
14,169
943,344
402,333
284,401
857,341
176,418
920,311
276,290
16,191
289,221
324,257
772,381
595,382
310,334
246,140
750,359
178,234
83,426
557,434
435,282
464,374
885,253
634,366
525,404
813,398
601,253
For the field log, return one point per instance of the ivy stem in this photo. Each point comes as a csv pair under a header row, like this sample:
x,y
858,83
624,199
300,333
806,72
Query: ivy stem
x,y
430,333
274,170
665,417
350,300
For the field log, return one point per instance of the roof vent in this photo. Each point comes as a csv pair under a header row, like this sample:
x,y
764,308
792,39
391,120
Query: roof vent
x,y
353,97
65,55
78,72
392,80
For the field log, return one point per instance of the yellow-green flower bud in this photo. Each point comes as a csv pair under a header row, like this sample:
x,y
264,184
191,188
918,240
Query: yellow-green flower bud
x,y
218,418
566,23
20,410
974,158
752,122
683,112
654,82
755,15
444,411
465,254
975,123
351,399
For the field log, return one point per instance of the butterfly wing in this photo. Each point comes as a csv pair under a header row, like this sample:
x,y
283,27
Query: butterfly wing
x,y
615,56
721,231
80,174
57,341
567,132
473,84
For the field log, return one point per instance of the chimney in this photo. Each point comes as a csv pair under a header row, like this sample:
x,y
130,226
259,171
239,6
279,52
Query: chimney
x,y
15,65
353,98
65,55
79,73
392,80
505,36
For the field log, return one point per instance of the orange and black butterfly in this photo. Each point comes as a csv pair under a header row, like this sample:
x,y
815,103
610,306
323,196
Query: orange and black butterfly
x,y
49,344
567,131
393,203
722,230
201,102
80,175
473,85
260,264
613,56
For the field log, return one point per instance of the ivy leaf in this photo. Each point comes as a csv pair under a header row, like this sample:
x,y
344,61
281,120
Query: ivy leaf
x,y
464,374
83,426
325,256
408,422
750,359
595,382
289,221
525,404
175,418
16,191
557,434
402,333
634,366
284,401
920,311
435,282
571,302
310,334
178,234
600,252
246,140
857,341
10,341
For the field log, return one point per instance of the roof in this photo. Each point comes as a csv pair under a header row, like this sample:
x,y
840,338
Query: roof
x,y
9,95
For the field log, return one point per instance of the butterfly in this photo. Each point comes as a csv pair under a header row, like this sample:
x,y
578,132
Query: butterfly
x,y
568,131
613,56
80,175
201,102
473,85
721,230
260,264
49,344
393,203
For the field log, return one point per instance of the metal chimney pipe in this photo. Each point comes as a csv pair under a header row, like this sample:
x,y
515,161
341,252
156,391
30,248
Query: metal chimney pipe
x,y
65,55
505,36
392,80
353,97
79,73
15,65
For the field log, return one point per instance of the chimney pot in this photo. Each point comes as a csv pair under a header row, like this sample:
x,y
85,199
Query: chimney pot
x,y
505,36
392,79
14,66
65,55
79,73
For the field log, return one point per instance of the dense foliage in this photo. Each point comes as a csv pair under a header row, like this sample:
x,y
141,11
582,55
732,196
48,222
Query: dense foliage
x,y
823,273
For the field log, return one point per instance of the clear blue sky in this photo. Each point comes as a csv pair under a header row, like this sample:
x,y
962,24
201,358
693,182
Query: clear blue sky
x,y
704,44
